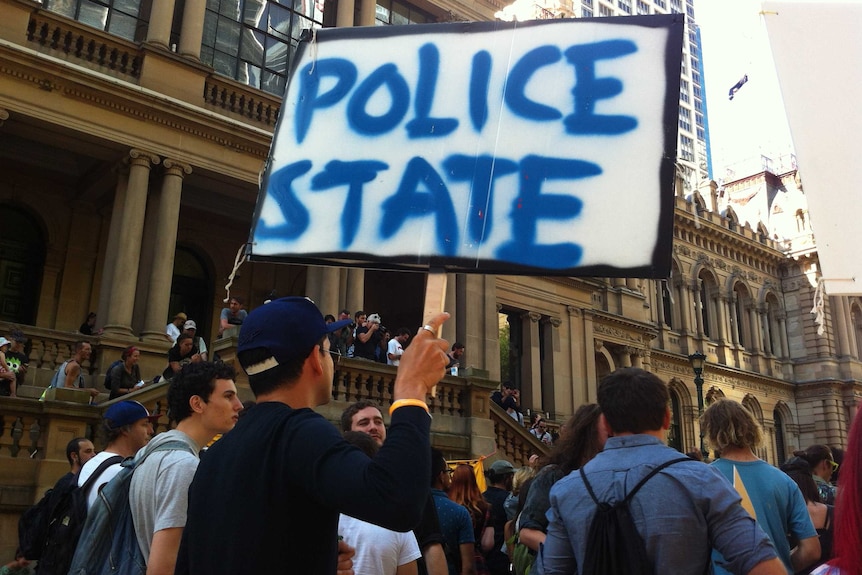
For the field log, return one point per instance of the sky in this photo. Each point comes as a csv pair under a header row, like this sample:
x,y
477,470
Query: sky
x,y
735,43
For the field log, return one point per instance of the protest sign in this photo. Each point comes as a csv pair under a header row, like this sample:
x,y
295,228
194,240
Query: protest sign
x,y
541,147
820,86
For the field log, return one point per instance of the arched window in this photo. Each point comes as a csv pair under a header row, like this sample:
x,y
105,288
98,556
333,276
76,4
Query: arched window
x,y
22,258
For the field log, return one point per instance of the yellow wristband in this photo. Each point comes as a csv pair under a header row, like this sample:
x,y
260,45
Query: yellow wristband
x,y
405,402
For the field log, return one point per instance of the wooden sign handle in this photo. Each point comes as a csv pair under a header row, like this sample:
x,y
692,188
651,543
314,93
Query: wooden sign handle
x,y
435,300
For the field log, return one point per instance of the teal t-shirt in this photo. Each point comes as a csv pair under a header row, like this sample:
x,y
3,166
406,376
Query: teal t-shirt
x,y
775,501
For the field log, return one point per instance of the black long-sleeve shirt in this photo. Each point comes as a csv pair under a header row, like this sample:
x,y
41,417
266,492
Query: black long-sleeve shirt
x,y
266,496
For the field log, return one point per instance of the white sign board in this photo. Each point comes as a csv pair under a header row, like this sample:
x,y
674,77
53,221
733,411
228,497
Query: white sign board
x,y
543,147
819,64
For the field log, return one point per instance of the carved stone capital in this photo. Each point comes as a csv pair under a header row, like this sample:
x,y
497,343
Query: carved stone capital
x,y
4,115
175,168
573,311
555,321
142,158
534,316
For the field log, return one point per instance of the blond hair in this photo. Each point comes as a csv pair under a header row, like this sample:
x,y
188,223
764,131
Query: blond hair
x,y
728,423
521,475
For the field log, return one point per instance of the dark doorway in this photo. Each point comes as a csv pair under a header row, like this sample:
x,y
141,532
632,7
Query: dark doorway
x,y
192,291
398,297
22,257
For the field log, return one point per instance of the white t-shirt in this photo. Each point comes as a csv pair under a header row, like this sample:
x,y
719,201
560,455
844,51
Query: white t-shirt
x,y
379,551
159,492
172,331
395,349
88,469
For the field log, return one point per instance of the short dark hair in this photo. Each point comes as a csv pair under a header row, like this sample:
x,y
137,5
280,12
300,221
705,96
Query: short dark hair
x,y
363,441
284,374
329,316
457,345
80,345
438,464
359,313
237,298
194,379
404,331
184,336
345,311
633,400
353,409
74,446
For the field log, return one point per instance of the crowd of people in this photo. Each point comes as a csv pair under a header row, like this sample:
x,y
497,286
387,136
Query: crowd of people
x,y
282,490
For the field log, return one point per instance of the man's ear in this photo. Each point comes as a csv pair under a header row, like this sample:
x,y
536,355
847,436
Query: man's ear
x,y
666,423
196,403
315,360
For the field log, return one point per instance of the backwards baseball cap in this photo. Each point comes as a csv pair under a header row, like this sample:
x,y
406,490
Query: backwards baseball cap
x,y
288,328
190,325
3,341
126,413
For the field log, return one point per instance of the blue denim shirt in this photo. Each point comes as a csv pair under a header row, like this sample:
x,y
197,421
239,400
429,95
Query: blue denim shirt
x,y
682,512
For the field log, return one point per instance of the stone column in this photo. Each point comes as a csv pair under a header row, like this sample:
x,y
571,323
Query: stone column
x,y
355,289
591,381
161,19
329,301
367,10
164,249
766,330
841,322
756,342
550,329
698,307
121,300
113,245
314,284
626,356
344,18
782,332
192,31
685,306
531,368
721,304
736,321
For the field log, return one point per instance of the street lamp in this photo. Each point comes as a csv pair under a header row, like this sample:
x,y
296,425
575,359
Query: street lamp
x,y
697,359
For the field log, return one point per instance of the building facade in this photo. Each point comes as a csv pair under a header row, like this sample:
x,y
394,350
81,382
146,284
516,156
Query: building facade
x,y
132,138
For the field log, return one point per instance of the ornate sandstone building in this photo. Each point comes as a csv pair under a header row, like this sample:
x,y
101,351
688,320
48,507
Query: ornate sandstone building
x,y
132,136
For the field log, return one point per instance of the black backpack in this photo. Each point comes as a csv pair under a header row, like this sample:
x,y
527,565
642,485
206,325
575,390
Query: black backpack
x,y
111,367
49,530
614,546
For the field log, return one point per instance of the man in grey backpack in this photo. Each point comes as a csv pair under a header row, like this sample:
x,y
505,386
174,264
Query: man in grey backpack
x,y
681,513
138,520
202,400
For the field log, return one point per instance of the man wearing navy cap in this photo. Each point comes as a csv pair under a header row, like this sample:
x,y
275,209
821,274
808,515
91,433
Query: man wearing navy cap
x,y
283,475
128,426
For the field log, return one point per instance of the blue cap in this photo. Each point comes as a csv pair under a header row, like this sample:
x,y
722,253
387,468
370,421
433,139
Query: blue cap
x,y
126,413
288,328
